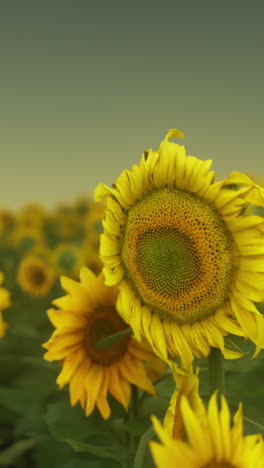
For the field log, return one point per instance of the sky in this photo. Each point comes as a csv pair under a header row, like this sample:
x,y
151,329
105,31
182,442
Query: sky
x,y
86,87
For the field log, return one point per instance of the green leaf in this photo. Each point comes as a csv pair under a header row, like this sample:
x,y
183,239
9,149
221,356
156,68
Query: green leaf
x,y
65,422
10,455
53,454
17,400
142,447
109,341
156,405
117,453
254,423
166,386
31,422
138,426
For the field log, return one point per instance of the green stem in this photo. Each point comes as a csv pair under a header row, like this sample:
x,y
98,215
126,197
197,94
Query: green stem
x,y
134,398
133,412
216,371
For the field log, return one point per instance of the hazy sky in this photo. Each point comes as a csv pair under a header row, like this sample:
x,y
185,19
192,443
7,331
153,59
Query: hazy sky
x,y
86,87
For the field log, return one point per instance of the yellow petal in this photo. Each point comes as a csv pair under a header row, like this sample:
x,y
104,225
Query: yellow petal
x,y
102,402
93,383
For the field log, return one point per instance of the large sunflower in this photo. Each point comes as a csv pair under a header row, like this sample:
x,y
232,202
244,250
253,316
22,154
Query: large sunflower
x,y
188,263
211,440
4,303
87,314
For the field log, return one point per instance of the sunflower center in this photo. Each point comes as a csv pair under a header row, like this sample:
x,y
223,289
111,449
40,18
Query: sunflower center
x,y
101,324
67,260
176,250
165,248
36,275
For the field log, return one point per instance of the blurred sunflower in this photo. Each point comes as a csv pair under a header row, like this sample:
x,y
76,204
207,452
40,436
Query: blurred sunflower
x,y
211,440
87,314
35,276
93,225
26,238
92,259
6,220
64,223
67,259
82,205
31,215
4,303
188,263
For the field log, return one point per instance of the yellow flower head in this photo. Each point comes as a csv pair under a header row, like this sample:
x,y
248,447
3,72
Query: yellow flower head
x,y
187,386
93,225
35,276
256,210
82,205
65,222
26,237
92,259
67,259
88,314
6,220
188,263
4,303
31,215
212,442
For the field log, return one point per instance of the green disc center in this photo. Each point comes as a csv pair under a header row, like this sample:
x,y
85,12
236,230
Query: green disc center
x,y
167,260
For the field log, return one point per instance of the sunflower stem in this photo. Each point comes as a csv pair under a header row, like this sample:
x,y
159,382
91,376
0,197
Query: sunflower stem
x,y
216,371
133,440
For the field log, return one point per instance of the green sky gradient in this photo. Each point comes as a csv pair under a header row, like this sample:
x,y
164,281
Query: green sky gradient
x,y
85,87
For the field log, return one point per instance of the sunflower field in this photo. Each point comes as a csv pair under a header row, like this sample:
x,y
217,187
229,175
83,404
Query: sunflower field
x,y
131,322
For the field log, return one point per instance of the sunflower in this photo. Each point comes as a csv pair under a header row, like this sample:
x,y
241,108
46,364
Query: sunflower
x,y
256,210
4,303
67,259
31,215
93,224
82,205
92,259
188,263
6,220
26,237
211,440
64,223
35,276
187,385
88,314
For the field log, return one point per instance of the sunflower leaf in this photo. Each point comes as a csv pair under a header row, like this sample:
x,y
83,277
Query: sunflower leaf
x,y
103,451
254,423
10,454
109,341
142,446
65,422
154,405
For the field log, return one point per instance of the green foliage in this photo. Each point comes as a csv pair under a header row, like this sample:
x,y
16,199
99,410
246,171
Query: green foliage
x,y
109,341
38,426
13,452
143,447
